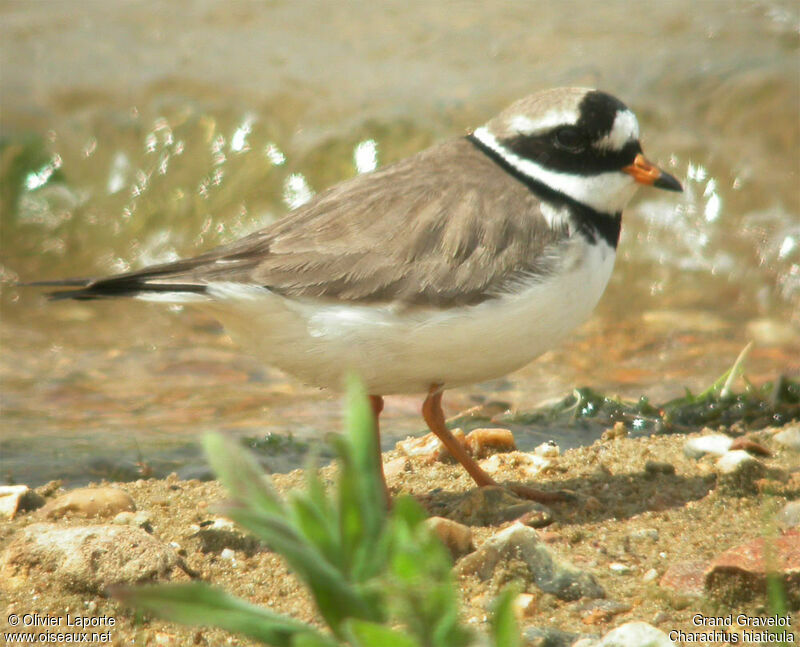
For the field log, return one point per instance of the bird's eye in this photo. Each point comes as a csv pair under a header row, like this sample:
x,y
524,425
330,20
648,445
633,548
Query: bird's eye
x,y
568,138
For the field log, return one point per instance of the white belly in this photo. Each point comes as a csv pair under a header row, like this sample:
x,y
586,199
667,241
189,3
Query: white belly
x,y
406,350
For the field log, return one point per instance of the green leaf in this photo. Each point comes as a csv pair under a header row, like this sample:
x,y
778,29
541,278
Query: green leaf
x,y
200,604
241,475
316,494
308,640
336,598
369,634
295,532
504,630
316,527
362,507
420,589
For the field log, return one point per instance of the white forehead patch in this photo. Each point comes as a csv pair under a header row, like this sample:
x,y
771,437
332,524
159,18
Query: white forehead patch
x,y
624,130
524,125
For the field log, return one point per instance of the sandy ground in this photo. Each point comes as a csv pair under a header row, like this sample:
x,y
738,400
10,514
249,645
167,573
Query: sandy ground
x,y
640,502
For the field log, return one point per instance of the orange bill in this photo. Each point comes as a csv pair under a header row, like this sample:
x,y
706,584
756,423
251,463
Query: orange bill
x,y
646,172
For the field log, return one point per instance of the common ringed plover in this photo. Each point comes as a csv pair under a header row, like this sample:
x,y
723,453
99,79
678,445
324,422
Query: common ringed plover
x,y
456,265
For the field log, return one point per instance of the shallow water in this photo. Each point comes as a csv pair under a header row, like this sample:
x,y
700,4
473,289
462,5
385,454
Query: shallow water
x,y
140,132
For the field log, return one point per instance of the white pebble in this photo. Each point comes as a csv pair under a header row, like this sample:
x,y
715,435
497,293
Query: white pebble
x,y
221,523
635,634
548,449
711,444
733,461
650,575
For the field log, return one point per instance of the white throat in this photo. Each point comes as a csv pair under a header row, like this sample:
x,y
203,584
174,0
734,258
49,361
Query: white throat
x,y
605,192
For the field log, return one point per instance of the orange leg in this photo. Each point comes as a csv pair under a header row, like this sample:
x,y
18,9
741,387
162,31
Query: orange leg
x,y
376,401
434,417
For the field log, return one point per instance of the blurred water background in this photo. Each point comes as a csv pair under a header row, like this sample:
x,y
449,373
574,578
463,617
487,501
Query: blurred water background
x,y
137,132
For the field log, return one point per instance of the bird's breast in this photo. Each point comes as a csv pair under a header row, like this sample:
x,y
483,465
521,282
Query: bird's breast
x,y
404,350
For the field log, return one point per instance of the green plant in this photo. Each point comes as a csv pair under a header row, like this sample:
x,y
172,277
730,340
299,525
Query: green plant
x,y
379,578
772,403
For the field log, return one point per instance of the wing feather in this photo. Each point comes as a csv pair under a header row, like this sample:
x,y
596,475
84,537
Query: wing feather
x,y
418,231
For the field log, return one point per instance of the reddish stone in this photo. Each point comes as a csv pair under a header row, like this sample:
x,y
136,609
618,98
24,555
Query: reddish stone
x,y
750,446
686,578
740,573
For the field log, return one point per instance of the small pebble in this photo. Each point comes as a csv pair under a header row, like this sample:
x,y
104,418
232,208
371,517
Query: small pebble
x,y
142,520
526,465
90,502
395,468
645,533
139,519
531,465
427,445
619,568
711,444
650,575
789,515
739,473
601,611
635,634
228,554
482,442
789,438
221,523
124,518
492,464
536,518
17,498
544,568
524,605
455,536
548,450
731,462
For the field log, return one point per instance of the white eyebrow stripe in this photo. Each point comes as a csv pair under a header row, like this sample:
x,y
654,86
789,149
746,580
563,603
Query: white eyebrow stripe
x,y
524,125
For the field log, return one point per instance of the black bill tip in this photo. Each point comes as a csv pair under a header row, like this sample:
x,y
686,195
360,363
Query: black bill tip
x,y
667,182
